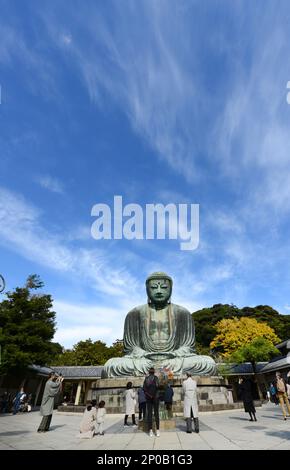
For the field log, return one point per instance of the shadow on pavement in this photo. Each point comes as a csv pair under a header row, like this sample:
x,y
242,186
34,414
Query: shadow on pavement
x,y
14,433
240,419
56,426
280,434
280,417
255,428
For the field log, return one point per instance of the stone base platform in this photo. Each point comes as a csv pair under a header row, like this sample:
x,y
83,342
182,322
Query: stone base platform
x,y
212,393
164,425
234,406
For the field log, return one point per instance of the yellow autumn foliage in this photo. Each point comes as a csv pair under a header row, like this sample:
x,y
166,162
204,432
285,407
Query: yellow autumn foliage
x,y
236,332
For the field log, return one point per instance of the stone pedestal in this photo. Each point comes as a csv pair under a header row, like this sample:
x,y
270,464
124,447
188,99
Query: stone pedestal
x,y
164,425
212,393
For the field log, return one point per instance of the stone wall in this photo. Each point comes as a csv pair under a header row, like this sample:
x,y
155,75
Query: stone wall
x,y
212,393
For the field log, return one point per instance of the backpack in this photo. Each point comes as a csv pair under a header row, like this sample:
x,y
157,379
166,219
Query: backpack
x,y
281,386
151,387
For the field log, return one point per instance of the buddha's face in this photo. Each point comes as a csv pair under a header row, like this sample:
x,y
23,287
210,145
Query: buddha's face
x,y
159,291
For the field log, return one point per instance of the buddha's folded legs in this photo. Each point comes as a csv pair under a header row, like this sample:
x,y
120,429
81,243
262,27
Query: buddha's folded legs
x,y
199,365
126,366
130,366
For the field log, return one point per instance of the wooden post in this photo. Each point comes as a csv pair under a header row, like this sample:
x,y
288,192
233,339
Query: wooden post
x,y
38,392
78,392
88,387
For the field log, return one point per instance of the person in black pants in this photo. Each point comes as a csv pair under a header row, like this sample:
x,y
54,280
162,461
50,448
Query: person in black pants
x,y
246,393
142,404
150,386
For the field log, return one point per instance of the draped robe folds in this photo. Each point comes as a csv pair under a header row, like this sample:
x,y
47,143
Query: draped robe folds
x,y
50,391
176,352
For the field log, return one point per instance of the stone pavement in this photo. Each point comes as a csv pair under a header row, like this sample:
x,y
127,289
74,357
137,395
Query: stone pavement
x,y
218,430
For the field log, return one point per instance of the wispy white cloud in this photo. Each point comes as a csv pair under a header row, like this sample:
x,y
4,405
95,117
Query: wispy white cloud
x,y
68,336
141,68
80,233
252,138
15,50
51,183
81,321
21,230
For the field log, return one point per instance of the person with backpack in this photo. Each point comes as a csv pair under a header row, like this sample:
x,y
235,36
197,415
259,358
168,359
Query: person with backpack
x,y
142,404
281,387
273,393
150,387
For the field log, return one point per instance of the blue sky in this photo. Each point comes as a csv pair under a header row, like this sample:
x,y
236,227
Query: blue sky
x,y
157,101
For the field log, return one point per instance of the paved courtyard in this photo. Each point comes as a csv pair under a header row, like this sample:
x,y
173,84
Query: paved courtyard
x,y
220,430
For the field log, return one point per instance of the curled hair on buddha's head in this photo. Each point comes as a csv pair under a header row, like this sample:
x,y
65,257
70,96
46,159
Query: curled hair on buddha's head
x,y
159,275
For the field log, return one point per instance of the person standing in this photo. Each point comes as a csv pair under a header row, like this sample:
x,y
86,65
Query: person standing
x,y
273,393
281,388
18,401
288,385
190,405
130,404
101,413
151,386
52,387
168,399
246,394
141,403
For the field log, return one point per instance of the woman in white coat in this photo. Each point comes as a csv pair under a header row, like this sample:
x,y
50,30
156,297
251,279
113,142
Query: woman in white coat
x,y
130,404
190,406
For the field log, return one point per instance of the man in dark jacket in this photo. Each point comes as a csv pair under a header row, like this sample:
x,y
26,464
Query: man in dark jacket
x,y
150,387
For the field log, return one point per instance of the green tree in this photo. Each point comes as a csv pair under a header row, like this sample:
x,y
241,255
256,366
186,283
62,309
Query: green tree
x,y
117,349
206,319
235,332
88,353
258,350
27,326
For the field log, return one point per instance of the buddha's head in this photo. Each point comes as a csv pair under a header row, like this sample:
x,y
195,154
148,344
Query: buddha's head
x,y
159,289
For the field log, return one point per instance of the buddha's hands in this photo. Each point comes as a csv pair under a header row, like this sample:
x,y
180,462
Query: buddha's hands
x,y
138,352
184,351
159,355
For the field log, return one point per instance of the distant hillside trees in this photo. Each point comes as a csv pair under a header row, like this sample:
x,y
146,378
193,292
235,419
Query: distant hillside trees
x,y
236,333
206,319
89,353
